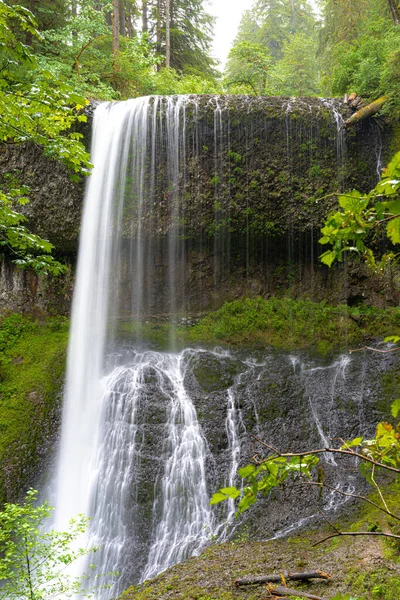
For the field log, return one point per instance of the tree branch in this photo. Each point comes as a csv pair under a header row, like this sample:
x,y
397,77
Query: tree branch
x,y
322,451
357,533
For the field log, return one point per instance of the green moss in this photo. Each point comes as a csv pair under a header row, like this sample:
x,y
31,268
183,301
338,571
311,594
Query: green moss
x,y
288,324
390,388
270,412
32,359
376,584
282,323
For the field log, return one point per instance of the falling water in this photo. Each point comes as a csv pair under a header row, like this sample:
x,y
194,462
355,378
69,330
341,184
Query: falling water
x,y
185,516
134,455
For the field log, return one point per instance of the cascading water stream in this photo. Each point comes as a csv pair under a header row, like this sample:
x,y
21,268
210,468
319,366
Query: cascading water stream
x,y
134,454
185,521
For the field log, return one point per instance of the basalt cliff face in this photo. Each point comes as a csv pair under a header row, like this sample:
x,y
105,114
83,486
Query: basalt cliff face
x,y
254,176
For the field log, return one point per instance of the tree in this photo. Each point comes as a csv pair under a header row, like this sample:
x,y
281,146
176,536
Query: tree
x,y
115,29
296,73
360,49
33,559
395,10
248,67
275,50
39,109
272,22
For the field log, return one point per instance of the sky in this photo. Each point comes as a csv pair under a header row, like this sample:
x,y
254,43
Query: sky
x,y
228,13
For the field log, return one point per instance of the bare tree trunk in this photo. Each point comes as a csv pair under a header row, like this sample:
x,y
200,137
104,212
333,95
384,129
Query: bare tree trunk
x,y
292,16
29,37
122,27
115,29
395,10
74,13
167,33
145,17
130,31
158,31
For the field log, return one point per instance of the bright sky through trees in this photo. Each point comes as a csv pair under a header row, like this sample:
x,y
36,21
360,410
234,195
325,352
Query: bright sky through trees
x,y
228,13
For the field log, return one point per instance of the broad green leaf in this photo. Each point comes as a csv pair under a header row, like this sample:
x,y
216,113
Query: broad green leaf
x,y
353,201
395,339
351,443
231,492
246,471
328,257
218,497
395,408
393,230
246,501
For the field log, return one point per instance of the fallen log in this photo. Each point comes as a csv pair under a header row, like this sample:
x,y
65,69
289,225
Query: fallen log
x,y
356,103
367,111
305,576
281,591
351,97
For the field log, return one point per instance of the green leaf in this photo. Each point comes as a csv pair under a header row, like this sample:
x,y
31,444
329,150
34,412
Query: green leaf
x,y
393,230
246,471
231,492
328,257
218,497
395,408
395,339
353,201
351,443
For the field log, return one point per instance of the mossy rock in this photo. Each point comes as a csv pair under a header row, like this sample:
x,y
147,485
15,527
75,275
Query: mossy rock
x,y
32,365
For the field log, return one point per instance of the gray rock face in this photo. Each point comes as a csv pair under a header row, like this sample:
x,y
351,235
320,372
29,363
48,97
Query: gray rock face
x,y
55,207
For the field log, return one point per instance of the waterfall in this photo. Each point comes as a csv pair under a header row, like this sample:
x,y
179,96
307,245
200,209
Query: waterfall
x,y
145,441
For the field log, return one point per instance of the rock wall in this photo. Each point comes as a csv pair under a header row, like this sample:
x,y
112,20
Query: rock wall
x,y
254,188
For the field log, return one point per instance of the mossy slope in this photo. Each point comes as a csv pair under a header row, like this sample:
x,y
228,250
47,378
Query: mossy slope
x,y
282,323
32,361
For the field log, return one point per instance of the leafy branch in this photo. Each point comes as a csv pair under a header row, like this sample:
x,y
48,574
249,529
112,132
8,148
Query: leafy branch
x,y
364,217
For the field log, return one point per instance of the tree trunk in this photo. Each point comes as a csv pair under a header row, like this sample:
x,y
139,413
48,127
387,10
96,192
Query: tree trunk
x,y
293,16
74,13
367,111
158,31
29,37
167,33
145,17
395,10
115,29
130,30
122,27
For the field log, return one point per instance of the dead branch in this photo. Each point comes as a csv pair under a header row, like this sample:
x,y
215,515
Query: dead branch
x,y
280,590
305,576
355,533
374,350
351,495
